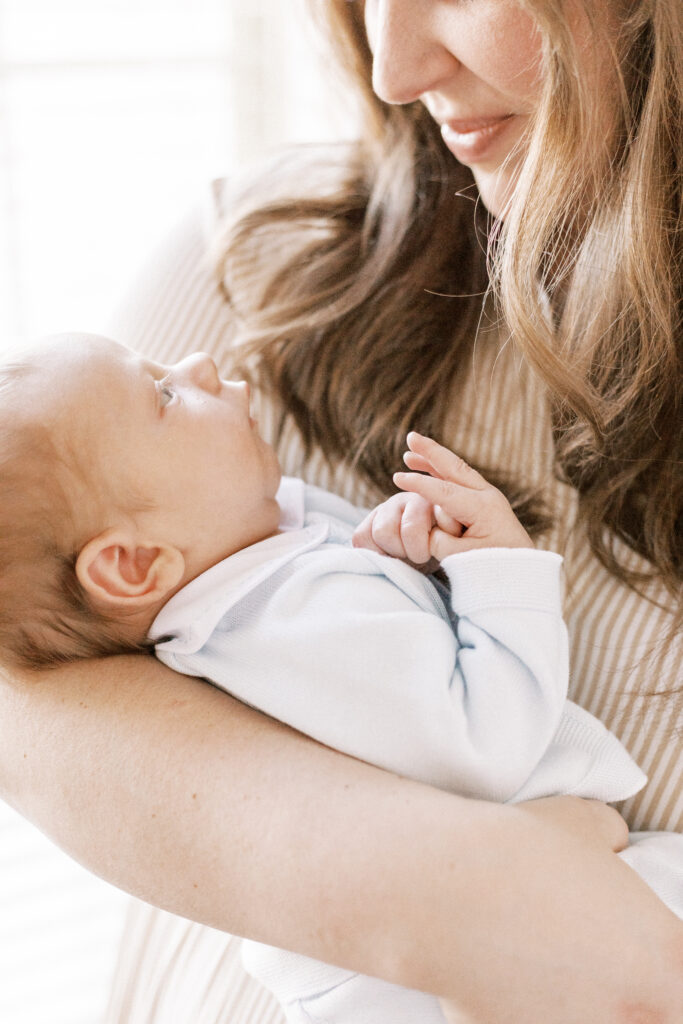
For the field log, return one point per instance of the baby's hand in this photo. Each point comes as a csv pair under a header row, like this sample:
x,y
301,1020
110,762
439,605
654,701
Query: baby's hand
x,y
457,493
401,527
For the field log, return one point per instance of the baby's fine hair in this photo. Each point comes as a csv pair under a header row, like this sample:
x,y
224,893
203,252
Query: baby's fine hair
x,y
46,617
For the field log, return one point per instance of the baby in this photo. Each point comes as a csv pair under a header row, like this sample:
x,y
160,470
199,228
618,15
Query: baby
x,y
140,507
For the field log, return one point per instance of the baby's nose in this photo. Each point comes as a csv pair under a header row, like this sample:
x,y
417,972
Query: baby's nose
x,y
201,370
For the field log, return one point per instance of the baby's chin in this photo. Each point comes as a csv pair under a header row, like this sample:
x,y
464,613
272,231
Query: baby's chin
x,y
264,522
276,517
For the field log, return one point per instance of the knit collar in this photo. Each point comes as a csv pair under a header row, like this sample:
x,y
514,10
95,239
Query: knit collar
x,y
191,615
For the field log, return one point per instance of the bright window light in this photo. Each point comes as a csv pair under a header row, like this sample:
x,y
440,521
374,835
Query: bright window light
x,y
114,117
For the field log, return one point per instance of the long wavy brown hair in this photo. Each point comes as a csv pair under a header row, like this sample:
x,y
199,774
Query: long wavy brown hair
x,y
379,257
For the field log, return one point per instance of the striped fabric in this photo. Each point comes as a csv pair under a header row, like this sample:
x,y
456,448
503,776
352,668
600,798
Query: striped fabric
x,y
622,647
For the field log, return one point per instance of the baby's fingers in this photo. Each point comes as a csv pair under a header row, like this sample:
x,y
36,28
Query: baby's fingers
x,y
441,462
400,527
416,525
362,535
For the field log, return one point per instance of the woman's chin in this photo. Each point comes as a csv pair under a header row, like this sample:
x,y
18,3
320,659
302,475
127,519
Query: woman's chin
x,y
495,189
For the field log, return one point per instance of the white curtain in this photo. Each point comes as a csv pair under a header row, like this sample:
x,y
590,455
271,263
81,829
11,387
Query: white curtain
x,y
114,114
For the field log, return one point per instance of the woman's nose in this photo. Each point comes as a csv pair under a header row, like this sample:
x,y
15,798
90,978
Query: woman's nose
x,y
409,58
200,369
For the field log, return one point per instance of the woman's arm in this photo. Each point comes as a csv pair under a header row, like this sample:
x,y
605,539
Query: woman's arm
x,y
180,795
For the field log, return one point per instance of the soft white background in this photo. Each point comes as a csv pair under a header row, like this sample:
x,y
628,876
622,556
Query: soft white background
x,y
113,116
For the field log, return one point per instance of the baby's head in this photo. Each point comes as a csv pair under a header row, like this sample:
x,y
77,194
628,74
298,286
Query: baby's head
x,y
120,481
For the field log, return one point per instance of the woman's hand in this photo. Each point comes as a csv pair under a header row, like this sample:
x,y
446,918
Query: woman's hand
x,y
588,893
588,821
444,507
476,514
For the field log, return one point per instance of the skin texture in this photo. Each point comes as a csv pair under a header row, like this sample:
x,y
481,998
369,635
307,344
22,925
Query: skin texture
x,y
385,859
222,843
173,453
446,507
470,63
172,474
199,805
464,61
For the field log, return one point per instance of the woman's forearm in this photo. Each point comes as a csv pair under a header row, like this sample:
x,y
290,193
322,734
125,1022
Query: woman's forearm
x,y
180,795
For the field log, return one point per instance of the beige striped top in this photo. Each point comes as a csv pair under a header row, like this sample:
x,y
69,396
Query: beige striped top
x,y
622,646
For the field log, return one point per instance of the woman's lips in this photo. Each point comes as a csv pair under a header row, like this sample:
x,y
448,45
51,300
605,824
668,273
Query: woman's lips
x,y
470,140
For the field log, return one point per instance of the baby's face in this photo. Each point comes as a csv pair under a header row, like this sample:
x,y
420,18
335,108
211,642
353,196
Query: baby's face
x,y
177,438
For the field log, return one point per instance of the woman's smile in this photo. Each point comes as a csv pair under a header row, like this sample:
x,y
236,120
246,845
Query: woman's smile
x,y
476,139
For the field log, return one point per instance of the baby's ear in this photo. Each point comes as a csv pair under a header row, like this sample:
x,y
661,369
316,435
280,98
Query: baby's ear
x,y
120,571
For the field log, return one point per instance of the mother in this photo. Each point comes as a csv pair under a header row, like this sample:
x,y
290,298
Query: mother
x,y
359,304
